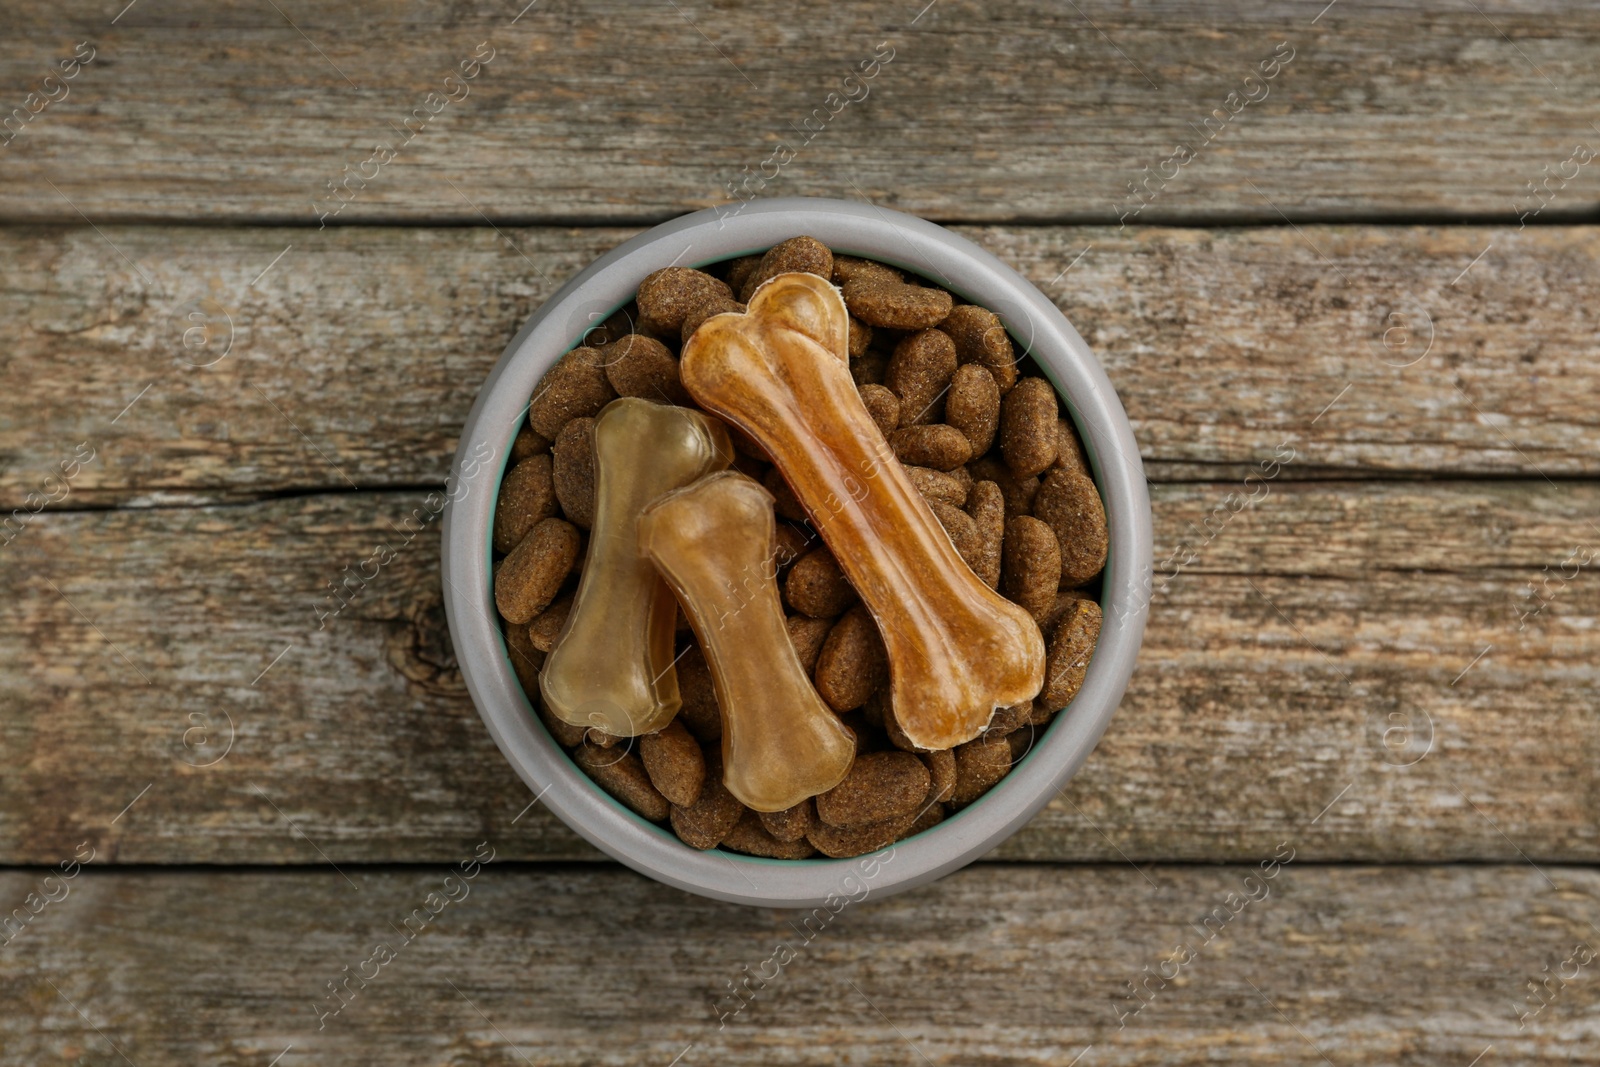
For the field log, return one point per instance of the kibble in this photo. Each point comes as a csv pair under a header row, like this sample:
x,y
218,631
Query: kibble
x,y
699,695
572,472
641,366
860,339
919,374
817,587
973,406
532,574
1028,427
1071,505
850,268
962,530
1030,570
669,295
807,635
805,254
878,301
987,506
880,786
1018,492
622,774
1065,598
981,338
791,824
527,443
737,270
882,405
944,448
941,775
674,763
784,501
1069,450
750,837
839,844
576,387
979,765
869,369
852,663
938,485
1067,655
1008,720
546,626
526,660
527,498
566,734
714,813
693,320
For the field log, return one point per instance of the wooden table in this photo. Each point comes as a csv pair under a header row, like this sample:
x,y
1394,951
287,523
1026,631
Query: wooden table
x,y
1382,671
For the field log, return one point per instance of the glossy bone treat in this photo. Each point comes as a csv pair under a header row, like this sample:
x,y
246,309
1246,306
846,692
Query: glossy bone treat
x,y
780,742
611,667
957,650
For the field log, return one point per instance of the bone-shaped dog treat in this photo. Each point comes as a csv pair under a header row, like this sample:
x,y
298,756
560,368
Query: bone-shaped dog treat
x,y
611,667
712,541
957,650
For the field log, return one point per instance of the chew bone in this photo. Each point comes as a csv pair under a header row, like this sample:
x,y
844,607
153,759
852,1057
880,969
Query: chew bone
x,y
780,742
956,649
611,668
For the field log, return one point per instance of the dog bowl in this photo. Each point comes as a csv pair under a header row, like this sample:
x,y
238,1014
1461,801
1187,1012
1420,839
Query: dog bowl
x,y
710,236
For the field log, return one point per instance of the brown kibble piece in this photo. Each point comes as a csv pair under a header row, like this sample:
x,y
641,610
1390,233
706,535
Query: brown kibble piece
x,y
842,844
919,374
714,813
973,406
622,774
981,338
1021,742
566,734
868,370
1009,720
807,635
527,443
674,762
546,626
931,816
860,338
882,405
1064,601
575,388
783,498
1071,505
891,729
699,315
805,254
527,498
944,448
941,775
817,587
1018,492
852,663
979,765
791,824
879,787
987,506
749,836
526,660
641,366
531,575
850,268
938,485
1067,656
962,530
1028,427
1069,450
737,270
789,543
699,695
1031,567
572,472
877,301
669,295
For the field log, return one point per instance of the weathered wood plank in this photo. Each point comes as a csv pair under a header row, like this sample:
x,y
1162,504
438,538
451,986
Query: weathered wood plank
x,y
611,111
998,965
358,354
1281,673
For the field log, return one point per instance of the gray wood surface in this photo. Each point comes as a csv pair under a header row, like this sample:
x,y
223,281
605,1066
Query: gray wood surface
x,y
617,111
1321,651
354,359
996,965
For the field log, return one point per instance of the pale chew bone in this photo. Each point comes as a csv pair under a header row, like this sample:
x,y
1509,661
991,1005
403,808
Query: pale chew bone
x,y
780,742
612,665
957,650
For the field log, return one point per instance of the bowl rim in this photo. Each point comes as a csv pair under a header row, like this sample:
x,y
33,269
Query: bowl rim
x,y
709,236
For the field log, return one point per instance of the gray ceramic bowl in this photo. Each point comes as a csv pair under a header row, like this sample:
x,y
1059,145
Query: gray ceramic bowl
x,y
708,237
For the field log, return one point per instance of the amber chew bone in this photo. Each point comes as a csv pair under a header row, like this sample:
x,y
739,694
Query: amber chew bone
x,y
780,742
611,667
956,649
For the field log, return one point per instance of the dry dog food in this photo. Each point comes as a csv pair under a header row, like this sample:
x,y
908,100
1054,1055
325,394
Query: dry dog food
x,y
982,459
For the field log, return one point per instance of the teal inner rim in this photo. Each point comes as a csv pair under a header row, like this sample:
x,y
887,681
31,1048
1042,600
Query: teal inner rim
x,y
505,651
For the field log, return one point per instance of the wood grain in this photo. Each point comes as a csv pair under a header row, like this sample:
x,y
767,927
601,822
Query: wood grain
x,y
1319,667
614,112
354,359
996,965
